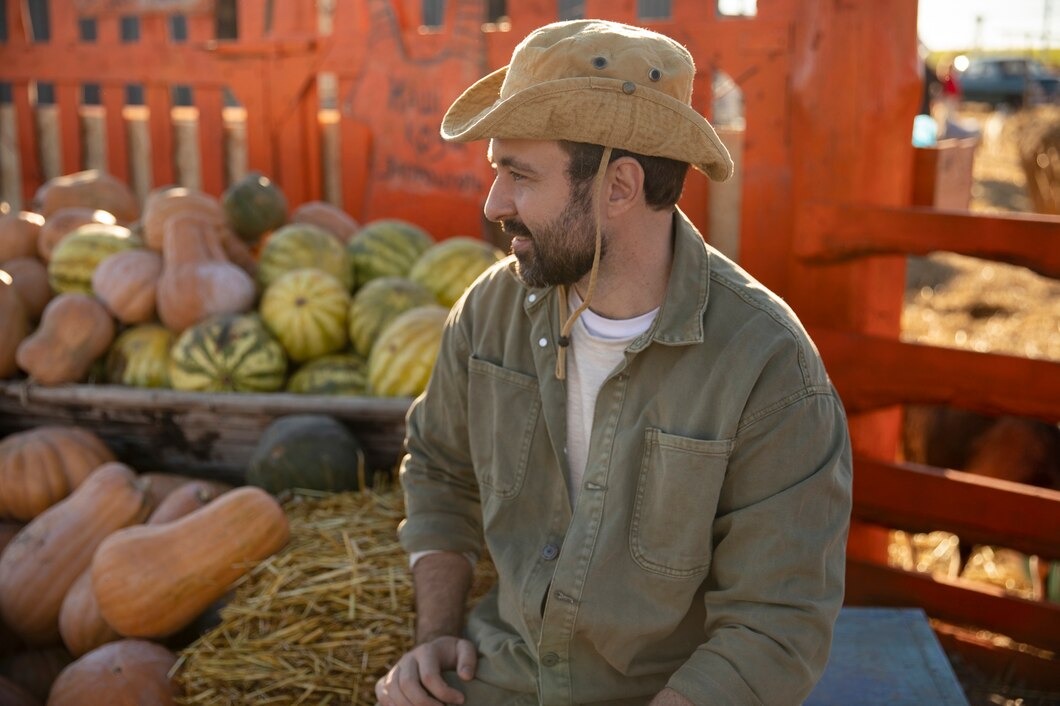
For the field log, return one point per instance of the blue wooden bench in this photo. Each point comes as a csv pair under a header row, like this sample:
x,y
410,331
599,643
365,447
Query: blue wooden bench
x,y
886,656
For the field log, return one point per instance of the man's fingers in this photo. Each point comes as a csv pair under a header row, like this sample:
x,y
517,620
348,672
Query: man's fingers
x,y
466,659
430,670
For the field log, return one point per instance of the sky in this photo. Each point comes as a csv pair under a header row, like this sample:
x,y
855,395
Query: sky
x,y
1006,24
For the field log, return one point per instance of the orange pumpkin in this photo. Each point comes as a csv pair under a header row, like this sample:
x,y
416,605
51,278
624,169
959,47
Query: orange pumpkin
x,y
18,234
122,673
63,538
14,323
152,580
91,188
65,221
126,283
74,330
30,278
197,279
41,466
81,626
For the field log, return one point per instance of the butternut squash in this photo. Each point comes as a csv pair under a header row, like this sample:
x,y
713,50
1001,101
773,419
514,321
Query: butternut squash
x,y
91,188
14,323
65,221
81,626
186,499
30,277
18,234
152,580
126,283
74,330
197,279
41,564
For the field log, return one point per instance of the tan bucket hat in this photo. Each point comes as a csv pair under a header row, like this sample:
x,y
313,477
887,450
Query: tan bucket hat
x,y
594,81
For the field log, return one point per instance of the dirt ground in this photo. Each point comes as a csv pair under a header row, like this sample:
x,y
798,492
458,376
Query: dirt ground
x,y
962,302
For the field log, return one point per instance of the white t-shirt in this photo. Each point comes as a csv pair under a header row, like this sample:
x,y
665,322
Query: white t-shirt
x,y
598,345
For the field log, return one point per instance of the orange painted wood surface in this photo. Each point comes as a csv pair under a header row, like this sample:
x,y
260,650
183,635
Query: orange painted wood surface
x,y
977,509
871,583
830,233
872,372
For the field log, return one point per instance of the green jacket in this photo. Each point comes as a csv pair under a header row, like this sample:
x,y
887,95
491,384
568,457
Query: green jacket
x,y
705,549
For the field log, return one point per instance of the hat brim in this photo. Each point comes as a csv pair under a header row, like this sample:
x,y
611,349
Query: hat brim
x,y
596,110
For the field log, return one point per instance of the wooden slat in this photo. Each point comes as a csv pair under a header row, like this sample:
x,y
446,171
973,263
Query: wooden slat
x,y
1001,661
977,509
872,372
206,434
954,600
68,100
210,103
28,142
112,8
837,233
113,97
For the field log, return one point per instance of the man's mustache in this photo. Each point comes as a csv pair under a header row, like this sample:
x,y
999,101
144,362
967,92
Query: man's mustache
x,y
514,227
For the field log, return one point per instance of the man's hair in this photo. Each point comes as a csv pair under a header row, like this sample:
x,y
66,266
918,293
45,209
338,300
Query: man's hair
x,y
663,177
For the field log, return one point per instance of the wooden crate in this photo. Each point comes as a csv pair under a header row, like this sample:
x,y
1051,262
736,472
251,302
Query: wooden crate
x,y
208,435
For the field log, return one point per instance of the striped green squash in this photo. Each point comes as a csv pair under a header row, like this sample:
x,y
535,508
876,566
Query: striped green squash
x,y
378,303
228,353
402,359
306,311
78,254
386,247
450,266
336,374
299,245
139,357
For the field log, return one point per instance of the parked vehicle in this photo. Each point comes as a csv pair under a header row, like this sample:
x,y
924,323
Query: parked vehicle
x,y
1012,81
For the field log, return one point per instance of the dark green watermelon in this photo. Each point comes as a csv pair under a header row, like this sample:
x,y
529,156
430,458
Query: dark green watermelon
x,y
311,451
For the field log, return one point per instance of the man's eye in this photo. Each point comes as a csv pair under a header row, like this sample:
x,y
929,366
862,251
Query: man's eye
x,y
516,176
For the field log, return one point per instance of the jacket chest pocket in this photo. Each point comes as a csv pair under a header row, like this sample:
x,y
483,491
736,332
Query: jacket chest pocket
x,y
504,409
676,500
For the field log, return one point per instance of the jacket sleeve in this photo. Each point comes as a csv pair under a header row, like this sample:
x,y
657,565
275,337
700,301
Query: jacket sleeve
x,y
775,585
441,494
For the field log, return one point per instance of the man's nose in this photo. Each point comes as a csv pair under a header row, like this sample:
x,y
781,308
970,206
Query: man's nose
x,y
498,204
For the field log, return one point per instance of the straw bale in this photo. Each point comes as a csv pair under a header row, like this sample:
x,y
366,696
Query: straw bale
x,y
320,621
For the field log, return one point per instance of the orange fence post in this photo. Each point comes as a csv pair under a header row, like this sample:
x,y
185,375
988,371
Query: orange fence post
x,y
851,143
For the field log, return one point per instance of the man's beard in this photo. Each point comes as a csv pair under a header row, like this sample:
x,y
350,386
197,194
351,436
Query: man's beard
x,y
561,252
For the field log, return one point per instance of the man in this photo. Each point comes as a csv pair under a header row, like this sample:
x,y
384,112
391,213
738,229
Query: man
x,y
643,435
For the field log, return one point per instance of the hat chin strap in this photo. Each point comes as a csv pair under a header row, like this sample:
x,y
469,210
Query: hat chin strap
x,y
564,333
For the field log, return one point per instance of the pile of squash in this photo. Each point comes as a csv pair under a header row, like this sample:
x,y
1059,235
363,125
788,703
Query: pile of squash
x,y
102,568
235,293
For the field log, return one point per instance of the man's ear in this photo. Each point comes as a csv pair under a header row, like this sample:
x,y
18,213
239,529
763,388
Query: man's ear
x,y
625,181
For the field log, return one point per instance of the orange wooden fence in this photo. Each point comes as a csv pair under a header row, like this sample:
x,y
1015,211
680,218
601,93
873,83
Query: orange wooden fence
x,y
826,215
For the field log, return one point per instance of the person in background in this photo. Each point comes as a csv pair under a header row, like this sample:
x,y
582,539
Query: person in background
x,y
641,436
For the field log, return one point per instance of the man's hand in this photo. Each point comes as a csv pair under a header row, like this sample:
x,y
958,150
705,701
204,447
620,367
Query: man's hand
x,y
669,697
417,676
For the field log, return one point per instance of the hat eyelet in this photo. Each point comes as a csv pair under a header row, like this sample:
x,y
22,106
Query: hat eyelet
x,y
654,74
599,62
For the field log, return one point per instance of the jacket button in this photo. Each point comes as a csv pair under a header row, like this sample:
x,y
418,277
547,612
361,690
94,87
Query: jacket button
x,y
549,552
550,659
